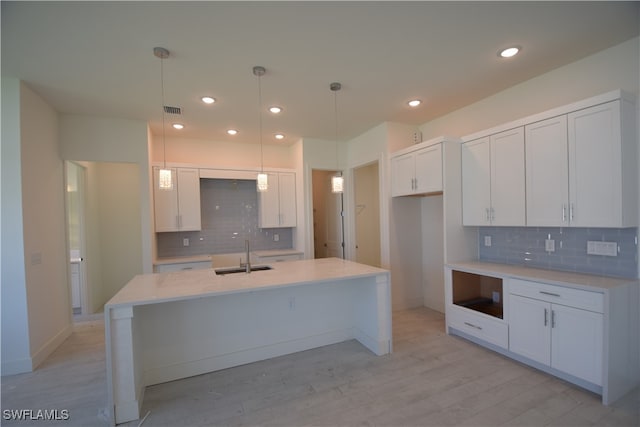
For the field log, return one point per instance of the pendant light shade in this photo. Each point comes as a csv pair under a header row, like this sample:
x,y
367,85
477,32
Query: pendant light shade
x,y
262,181
337,184
337,181
165,178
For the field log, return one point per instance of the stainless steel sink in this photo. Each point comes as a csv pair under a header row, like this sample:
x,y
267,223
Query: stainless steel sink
x,y
234,270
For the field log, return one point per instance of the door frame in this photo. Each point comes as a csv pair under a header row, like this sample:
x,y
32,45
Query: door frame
x,y
311,243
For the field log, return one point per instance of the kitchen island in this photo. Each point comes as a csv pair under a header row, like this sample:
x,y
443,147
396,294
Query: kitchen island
x,y
163,327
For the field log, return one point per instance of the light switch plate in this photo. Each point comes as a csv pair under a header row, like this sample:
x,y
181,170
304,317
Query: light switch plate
x,y
550,245
487,240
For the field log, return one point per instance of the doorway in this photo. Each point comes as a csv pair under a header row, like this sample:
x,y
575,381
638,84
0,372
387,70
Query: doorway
x,y
328,221
75,176
367,214
104,230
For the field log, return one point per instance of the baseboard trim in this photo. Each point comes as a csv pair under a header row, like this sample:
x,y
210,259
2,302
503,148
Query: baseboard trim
x,y
50,346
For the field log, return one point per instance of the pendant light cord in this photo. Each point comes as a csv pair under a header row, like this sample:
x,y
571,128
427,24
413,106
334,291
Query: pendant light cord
x,y
335,111
164,144
260,122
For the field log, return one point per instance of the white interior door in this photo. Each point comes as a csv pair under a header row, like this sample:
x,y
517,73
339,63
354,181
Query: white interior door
x,y
75,186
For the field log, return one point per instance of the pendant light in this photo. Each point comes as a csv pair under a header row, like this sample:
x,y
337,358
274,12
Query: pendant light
x,y
262,180
165,181
337,181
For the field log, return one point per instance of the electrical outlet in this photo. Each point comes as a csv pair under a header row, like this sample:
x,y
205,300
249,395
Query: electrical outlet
x,y
276,237
602,248
487,240
185,241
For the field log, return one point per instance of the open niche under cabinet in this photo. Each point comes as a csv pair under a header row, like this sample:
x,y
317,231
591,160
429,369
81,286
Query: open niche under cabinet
x,y
479,293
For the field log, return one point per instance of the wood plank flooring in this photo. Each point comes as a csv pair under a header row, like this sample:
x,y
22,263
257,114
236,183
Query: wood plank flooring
x,y
431,379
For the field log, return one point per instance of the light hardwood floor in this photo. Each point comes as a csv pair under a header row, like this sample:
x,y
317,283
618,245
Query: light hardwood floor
x,y
431,379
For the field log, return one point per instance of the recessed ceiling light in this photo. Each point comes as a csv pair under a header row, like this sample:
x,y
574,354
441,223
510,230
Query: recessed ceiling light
x,y
275,109
278,136
414,103
178,126
232,132
208,100
509,52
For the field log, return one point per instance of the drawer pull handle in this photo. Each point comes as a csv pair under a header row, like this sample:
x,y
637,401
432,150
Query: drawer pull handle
x,y
473,326
553,319
546,317
550,294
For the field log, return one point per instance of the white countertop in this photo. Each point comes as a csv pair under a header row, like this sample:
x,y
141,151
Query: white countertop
x,y
562,278
157,288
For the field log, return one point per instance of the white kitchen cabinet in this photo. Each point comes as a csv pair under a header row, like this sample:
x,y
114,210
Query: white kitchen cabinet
x,y
178,209
577,327
182,266
493,180
602,182
278,203
565,338
577,171
547,172
418,171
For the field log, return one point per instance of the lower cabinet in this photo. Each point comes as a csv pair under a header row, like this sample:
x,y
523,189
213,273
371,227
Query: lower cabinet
x,y
181,266
565,338
577,327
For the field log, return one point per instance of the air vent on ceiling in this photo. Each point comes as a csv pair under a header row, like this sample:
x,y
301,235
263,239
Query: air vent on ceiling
x,y
172,110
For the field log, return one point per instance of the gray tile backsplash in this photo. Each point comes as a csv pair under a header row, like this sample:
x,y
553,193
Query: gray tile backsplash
x,y
526,246
229,211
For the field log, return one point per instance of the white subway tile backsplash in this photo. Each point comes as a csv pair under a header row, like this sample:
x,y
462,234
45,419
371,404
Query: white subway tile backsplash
x,y
525,246
229,211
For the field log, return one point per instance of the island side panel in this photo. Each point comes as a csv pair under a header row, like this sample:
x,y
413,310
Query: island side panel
x,y
125,370
372,312
186,338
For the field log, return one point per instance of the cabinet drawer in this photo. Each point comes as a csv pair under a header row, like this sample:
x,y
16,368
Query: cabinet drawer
x,y
279,258
480,326
586,300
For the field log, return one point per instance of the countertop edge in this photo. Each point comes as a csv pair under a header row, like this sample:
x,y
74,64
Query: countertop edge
x,y
561,278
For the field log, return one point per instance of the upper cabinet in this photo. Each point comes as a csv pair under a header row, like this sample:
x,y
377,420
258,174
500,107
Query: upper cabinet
x,y
493,191
178,209
547,172
278,203
603,174
580,168
417,170
577,174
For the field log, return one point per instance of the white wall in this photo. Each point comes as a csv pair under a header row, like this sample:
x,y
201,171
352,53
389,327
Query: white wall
x,y
15,322
98,139
220,154
610,69
113,229
46,252
36,306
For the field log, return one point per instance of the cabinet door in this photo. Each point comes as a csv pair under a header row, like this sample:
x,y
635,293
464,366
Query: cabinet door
x,y
189,199
165,204
595,166
402,175
529,328
476,182
287,194
577,342
507,178
547,173
428,169
270,203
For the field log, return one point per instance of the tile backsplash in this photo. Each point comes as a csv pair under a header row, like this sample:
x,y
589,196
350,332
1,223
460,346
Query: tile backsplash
x,y
229,211
526,246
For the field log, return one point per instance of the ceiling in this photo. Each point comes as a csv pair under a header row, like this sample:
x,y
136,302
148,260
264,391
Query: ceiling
x,y
96,58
